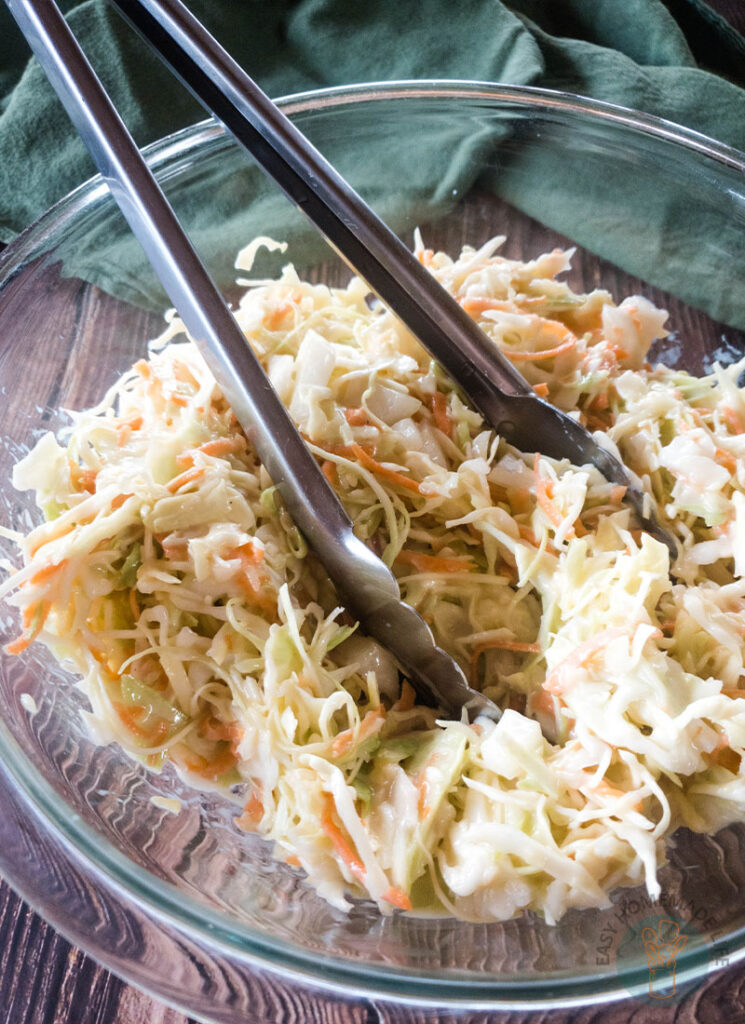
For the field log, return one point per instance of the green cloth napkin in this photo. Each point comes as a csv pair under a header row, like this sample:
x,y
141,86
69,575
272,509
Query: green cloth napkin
x,y
676,59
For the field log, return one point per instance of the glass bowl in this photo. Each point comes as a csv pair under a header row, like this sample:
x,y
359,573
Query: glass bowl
x,y
653,209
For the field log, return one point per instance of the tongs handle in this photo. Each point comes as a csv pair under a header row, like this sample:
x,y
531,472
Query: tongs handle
x,y
370,589
185,279
360,236
449,334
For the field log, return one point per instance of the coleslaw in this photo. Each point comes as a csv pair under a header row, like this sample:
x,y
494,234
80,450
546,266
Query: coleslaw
x,y
209,637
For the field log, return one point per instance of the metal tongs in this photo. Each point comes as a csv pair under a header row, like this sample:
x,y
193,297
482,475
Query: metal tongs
x,y
497,390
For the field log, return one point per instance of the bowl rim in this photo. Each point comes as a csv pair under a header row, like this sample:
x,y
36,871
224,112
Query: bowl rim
x,y
163,900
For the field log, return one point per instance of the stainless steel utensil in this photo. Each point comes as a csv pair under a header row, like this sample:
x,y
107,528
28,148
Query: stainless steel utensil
x,y
367,585
450,335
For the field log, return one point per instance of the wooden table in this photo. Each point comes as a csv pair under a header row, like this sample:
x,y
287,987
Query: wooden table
x,y
45,980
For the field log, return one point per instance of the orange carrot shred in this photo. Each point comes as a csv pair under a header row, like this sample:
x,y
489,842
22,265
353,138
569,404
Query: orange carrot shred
x,y
356,417
546,353
732,419
478,305
328,468
397,898
408,697
366,460
21,643
339,840
434,563
46,573
369,725
274,317
223,445
555,682
544,491
253,812
441,415
541,389
185,478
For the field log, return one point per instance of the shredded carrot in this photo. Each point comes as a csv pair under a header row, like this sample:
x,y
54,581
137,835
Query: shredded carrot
x,y
185,478
600,402
732,419
726,459
176,398
274,317
182,372
250,552
143,368
119,500
425,256
185,460
253,812
82,478
544,492
255,575
541,389
423,805
434,563
131,718
546,353
606,789
223,445
328,468
478,305
212,729
126,426
441,415
408,697
542,702
398,898
21,643
556,682
339,840
356,417
529,535
293,860
46,573
526,533
366,460
134,607
617,494
370,724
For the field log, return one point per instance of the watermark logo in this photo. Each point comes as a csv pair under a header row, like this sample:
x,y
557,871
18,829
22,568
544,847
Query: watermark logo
x,y
662,945
653,935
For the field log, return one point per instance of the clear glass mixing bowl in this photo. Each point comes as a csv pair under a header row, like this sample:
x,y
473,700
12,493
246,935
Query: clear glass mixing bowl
x,y
652,208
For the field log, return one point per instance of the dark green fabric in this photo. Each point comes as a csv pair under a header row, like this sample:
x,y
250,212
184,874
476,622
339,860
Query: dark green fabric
x,y
632,52
676,59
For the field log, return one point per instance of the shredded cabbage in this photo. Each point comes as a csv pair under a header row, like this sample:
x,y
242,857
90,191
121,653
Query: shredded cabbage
x,y
209,637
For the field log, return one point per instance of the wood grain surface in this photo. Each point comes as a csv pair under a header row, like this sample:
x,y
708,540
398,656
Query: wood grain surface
x,y
44,980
